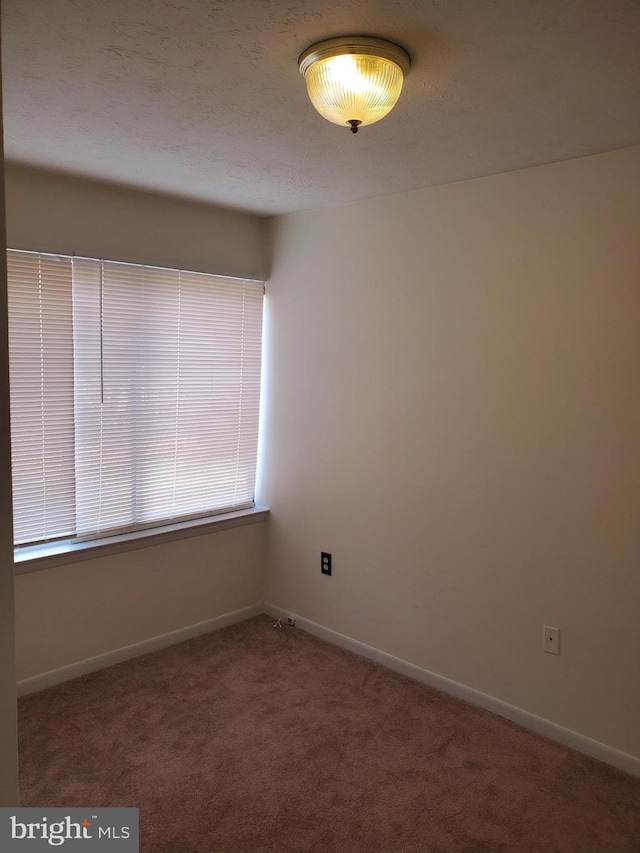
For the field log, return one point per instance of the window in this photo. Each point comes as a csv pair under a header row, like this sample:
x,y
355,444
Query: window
x,y
135,395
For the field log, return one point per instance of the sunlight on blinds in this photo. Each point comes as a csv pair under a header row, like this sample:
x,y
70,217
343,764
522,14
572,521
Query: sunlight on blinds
x,y
41,375
136,393
167,394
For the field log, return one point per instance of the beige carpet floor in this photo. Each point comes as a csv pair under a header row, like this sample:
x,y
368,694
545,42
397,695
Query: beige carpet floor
x,y
258,738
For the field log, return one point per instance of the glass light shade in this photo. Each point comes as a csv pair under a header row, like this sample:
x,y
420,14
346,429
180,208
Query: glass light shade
x,y
354,82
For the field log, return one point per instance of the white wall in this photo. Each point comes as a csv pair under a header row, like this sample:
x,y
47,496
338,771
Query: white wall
x,y
71,613
453,412
67,614
54,212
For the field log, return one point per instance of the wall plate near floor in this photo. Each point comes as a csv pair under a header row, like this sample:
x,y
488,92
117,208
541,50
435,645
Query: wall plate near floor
x,y
551,640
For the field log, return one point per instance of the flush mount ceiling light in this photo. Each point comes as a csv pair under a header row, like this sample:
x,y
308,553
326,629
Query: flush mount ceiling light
x,y
355,80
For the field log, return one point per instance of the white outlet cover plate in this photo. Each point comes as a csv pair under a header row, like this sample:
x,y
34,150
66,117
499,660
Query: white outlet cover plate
x,y
551,640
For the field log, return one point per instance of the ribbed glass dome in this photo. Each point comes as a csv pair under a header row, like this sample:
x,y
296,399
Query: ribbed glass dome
x,y
354,87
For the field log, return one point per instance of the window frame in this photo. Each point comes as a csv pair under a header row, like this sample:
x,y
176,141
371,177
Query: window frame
x,y
35,556
62,552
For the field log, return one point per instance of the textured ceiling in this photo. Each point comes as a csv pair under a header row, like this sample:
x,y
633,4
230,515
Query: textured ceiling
x,y
202,98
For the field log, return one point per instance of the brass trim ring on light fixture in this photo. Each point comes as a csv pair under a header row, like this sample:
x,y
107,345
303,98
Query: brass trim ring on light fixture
x,y
366,45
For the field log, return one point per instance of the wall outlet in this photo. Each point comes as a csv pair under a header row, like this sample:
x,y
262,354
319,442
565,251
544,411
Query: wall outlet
x,y
551,640
325,563
291,620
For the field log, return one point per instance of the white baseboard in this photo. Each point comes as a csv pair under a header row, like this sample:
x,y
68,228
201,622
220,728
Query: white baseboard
x,y
622,760
75,670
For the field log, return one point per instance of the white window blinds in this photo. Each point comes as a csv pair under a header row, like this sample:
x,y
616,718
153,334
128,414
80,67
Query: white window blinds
x,y
41,375
166,393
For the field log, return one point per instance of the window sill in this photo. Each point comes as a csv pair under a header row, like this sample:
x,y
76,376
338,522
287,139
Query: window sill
x,y
36,557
